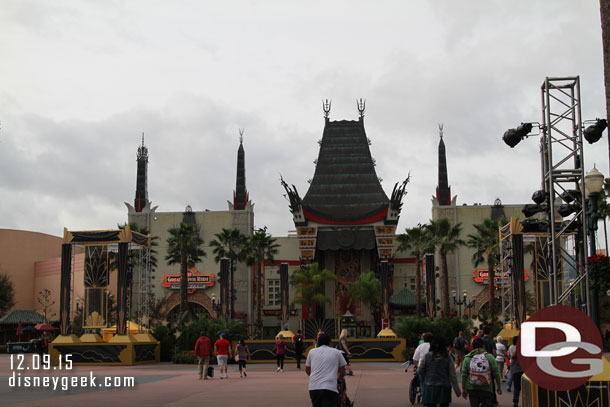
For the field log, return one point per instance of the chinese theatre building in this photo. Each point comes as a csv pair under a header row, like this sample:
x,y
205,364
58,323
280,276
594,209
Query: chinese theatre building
x,y
347,223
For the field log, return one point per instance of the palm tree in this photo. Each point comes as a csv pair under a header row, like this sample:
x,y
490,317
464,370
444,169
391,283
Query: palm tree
x,y
416,241
230,243
446,238
487,249
184,248
367,289
261,246
310,281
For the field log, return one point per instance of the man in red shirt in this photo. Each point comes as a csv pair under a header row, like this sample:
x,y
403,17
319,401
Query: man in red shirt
x,y
203,351
222,347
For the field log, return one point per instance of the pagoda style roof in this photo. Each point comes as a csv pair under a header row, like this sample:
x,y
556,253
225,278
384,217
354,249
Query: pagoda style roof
x,y
345,188
26,316
404,298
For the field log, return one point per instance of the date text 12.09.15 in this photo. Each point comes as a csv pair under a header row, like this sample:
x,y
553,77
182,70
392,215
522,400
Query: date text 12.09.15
x,y
34,361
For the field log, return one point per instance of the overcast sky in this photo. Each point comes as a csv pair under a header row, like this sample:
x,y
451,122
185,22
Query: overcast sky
x,y
80,81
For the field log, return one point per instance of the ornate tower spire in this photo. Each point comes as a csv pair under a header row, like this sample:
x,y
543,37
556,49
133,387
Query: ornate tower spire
x,y
240,195
443,190
141,199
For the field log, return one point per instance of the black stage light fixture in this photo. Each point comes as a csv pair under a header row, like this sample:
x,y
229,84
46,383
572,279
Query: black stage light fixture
x,y
570,226
512,137
570,195
539,196
594,132
531,209
534,226
567,209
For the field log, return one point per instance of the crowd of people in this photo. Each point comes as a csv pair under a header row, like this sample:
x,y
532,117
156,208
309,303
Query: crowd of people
x,y
482,364
473,369
325,366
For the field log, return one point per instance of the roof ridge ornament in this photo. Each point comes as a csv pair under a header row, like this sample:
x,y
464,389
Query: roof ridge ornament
x,y
326,107
241,136
440,129
361,104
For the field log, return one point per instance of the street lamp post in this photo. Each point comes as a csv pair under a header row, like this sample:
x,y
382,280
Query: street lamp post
x,y
594,181
216,307
459,303
468,305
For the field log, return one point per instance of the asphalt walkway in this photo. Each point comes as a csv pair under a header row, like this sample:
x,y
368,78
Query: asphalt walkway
x,y
170,385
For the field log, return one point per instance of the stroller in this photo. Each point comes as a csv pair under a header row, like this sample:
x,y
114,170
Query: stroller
x,y
344,401
415,390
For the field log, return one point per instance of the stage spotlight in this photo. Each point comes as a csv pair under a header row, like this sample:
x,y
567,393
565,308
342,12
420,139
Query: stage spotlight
x,y
534,226
539,196
531,209
594,132
570,195
512,137
570,226
567,209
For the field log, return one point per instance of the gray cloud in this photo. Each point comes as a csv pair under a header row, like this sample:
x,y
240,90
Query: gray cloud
x,y
95,76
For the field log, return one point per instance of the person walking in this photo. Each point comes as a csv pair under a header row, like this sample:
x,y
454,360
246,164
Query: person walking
x,y
517,372
477,372
280,352
437,373
203,351
242,354
500,355
324,366
344,348
299,346
320,332
477,334
420,353
460,344
490,347
512,349
222,348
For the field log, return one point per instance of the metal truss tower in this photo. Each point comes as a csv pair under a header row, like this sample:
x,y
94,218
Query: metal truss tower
x,y
563,177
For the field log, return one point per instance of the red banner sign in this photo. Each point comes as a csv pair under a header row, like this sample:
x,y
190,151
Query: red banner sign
x,y
482,276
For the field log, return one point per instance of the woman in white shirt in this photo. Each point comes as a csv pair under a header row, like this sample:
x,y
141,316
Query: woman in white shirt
x,y
500,355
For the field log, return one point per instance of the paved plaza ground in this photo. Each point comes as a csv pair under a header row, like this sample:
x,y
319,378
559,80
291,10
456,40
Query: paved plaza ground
x,y
171,385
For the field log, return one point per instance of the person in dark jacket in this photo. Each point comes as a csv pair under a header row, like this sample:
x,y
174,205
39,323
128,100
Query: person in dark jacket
x,y
437,373
299,346
203,351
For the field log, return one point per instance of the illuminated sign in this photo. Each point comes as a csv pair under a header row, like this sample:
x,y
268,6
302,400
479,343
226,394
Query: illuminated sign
x,y
482,276
195,280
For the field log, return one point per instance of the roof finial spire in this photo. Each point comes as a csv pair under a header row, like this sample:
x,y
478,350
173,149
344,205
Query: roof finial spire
x,y
440,129
361,103
142,138
241,136
326,107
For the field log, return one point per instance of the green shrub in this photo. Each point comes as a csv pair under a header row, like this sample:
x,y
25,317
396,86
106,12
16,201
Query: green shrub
x,y
411,328
165,336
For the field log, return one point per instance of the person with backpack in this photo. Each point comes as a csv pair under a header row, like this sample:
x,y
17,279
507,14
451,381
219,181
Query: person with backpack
x,y
437,373
460,344
478,371
298,341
